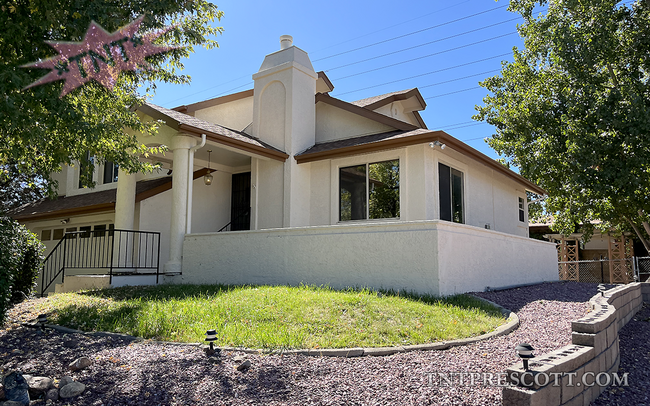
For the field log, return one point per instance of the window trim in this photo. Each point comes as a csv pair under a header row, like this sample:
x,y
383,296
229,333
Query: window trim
x,y
367,192
335,166
521,206
462,168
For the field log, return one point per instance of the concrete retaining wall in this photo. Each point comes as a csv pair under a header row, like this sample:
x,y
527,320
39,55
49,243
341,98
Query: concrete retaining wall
x,y
594,350
434,257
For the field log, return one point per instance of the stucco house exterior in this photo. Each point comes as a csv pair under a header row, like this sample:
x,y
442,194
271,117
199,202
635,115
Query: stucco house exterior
x,y
307,188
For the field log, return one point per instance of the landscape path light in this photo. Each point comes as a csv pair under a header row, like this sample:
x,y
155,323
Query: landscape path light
x,y
211,337
602,289
525,352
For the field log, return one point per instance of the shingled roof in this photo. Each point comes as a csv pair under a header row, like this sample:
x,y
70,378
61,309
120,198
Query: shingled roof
x,y
87,202
220,134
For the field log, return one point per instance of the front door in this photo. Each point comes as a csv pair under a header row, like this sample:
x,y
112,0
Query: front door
x,y
240,206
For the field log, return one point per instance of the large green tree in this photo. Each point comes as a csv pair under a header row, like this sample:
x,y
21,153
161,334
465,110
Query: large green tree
x,y
572,111
39,131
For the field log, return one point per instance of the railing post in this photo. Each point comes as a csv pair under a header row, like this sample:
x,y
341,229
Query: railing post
x,y
65,245
110,268
157,259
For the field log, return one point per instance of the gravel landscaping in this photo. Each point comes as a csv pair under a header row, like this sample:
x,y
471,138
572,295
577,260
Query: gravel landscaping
x,y
144,373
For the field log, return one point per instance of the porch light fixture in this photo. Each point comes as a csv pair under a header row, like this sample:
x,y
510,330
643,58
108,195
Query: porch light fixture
x,y
211,337
208,178
435,144
525,352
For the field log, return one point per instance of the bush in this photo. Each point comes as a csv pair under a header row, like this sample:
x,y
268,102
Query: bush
x,y
21,256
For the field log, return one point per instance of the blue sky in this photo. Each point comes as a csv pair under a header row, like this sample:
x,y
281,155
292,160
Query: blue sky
x,y
460,53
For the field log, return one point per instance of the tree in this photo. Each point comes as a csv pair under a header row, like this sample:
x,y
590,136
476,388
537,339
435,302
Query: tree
x,y
41,131
572,111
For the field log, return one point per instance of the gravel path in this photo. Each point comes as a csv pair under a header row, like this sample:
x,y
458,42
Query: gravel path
x,y
153,374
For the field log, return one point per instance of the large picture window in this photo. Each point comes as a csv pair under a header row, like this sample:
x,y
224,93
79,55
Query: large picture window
x,y
451,194
369,191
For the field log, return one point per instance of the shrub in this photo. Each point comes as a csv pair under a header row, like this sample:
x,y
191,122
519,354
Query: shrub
x,y
21,256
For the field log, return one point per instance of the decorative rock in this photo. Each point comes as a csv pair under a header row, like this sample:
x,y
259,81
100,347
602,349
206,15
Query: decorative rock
x,y
65,380
80,363
12,403
244,365
52,394
38,385
16,389
71,390
239,358
70,343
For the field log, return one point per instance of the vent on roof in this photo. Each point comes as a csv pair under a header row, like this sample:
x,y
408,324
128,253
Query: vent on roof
x,y
286,41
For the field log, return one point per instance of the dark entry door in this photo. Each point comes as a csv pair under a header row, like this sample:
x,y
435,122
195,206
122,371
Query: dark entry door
x,y
240,206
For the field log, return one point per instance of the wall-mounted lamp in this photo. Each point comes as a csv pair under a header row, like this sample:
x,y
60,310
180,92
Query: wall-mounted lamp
x,y
65,221
208,176
435,144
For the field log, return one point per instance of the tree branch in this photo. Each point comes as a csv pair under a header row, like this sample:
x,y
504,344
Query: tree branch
x,y
612,74
639,234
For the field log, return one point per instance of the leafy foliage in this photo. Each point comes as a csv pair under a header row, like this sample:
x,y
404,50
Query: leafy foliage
x,y
40,131
21,255
17,188
572,111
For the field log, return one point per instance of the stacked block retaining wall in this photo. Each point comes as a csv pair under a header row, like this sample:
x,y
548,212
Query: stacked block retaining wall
x,y
558,378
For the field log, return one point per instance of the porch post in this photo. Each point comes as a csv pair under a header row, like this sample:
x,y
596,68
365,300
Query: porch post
x,y
180,146
125,200
124,219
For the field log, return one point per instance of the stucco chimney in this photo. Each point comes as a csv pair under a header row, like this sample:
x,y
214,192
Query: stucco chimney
x,y
286,41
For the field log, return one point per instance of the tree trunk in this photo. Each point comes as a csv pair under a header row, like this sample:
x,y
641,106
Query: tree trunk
x,y
639,234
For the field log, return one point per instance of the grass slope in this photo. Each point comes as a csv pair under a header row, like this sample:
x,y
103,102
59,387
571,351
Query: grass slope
x,y
274,317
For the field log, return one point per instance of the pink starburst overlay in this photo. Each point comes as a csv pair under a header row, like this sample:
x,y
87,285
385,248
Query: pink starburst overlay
x,y
101,56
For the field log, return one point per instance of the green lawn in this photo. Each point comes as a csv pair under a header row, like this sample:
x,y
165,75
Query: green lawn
x,y
274,317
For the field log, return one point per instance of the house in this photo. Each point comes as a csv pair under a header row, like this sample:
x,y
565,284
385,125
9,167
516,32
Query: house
x,y
285,184
604,258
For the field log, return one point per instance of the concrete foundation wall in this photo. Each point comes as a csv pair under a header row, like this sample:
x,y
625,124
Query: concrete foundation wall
x,y
414,256
594,350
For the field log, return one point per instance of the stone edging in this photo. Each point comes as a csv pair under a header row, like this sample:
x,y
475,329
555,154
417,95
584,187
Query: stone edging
x,y
511,324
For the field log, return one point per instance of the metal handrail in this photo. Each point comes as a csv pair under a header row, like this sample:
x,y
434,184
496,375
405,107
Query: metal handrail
x,y
111,249
244,213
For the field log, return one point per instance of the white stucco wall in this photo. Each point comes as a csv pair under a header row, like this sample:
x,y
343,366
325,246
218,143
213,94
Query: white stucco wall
x,y
425,256
235,115
397,111
471,259
267,194
333,123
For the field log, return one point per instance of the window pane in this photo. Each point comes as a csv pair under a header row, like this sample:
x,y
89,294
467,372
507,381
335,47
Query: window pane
x,y
86,234
457,196
110,172
58,234
444,179
383,178
521,210
352,185
46,235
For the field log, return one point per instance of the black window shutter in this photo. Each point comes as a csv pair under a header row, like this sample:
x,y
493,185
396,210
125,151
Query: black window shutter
x,y
444,179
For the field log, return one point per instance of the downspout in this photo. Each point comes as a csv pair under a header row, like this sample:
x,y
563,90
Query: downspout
x,y
190,181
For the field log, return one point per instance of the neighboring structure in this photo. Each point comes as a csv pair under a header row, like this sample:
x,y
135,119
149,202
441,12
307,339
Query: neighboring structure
x,y
338,193
608,258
